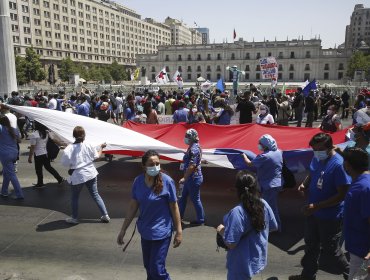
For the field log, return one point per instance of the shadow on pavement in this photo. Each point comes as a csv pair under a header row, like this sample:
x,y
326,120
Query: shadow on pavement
x,y
115,179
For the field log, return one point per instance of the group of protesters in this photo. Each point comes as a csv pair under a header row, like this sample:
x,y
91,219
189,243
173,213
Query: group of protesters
x,y
338,181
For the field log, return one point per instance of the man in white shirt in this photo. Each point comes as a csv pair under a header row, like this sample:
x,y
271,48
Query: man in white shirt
x,y
52,105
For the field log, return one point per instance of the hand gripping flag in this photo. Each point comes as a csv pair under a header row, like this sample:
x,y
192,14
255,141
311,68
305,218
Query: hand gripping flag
x,y
178,79
162,77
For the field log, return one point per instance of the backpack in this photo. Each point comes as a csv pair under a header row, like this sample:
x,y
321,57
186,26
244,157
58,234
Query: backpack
x,y
288,177
52,149
113,101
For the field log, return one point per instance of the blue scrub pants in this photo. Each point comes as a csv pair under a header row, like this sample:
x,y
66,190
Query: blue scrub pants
x,y
10,176
154,258
192,188
271,197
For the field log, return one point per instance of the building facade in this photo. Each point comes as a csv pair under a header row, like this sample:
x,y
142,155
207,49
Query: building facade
x,y
205,34
359,28
88,31
181,34
299,60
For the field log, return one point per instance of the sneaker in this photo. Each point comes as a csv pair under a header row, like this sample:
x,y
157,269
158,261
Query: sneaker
x,y
39,186
17,197
72,221
4,195
105,219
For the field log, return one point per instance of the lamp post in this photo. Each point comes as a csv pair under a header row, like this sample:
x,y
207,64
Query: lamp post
x,y
8,78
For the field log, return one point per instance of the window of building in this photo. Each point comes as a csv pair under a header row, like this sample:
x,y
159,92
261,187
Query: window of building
x,y
308,54
15,28
247,56
189,77
258,67
280,76
340,75
291,76
218,56
179,58
26,19
208,76
208,69
27,40
291,67
153,69
199,57
25,9
199,69
179,69
167,58
280,67
307,68
306,76
326,76
258,56
46,4
189,56
292,55
13,17
232,56
281,55
269,54
246,76
189,68
208,56
326,67
258,76
247,68
15,39
341,66
38,42
218,76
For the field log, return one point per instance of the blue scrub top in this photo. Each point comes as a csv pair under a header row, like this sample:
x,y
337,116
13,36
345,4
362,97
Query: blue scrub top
x,y
269,166
180,115
333,176
193,156
249,257
225,118
155,219
8,146
129,114
84,109
356,217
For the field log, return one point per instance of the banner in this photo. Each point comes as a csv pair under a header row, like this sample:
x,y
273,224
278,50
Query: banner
x,y
269,68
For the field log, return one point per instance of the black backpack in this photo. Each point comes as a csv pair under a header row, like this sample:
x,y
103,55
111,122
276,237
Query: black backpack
x,y
52,149
288,177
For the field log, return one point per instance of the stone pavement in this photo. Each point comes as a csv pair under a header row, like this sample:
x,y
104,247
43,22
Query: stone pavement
x,y
36,243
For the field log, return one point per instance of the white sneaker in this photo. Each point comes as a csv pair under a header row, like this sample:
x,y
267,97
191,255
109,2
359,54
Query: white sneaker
x,y
105,219
72,221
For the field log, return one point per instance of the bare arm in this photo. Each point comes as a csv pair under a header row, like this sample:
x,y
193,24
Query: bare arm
x,y
177,222
247,160
189,171
32,151
132,209
221,230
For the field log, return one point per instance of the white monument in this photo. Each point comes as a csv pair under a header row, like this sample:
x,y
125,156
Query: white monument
x,y
8,78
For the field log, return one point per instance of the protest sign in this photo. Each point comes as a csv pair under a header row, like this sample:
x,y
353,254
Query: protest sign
x,y
269,68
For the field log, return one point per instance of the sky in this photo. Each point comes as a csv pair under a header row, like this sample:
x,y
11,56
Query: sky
x,y
255,19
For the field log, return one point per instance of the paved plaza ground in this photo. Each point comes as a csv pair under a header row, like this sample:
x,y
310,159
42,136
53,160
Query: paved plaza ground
x,y
36,243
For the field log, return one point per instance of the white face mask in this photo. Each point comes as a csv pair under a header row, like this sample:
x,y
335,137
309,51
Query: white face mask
x,y
153,171
263,112
321,155
187,141
194,110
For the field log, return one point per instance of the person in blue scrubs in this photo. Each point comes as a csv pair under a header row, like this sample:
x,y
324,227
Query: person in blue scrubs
x,y
269,166
154,193
9,138
245,230
193,177
356,226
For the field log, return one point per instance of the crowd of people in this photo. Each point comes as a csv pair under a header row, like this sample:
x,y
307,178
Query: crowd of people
x,y
338,184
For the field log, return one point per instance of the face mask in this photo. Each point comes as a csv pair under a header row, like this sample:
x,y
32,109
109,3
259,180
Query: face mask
x,y
260,147
153,171
263,112
321,155
187,141
329,112
194,110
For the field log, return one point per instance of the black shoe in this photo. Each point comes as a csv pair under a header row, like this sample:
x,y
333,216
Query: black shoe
x,y
61,180
196,223
39,186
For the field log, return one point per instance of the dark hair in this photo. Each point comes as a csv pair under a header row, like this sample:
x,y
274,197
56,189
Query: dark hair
x,y
147,108
181,104
322,138
357,158
79,134
248,194
4,121
158,183
41,129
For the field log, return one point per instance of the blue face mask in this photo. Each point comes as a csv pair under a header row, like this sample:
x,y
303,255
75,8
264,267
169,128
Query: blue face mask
x,y
153,171
187,141
260,147
321,155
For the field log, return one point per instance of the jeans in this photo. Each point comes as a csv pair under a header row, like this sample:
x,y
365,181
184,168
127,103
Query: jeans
x,y
44,161
9,175
92,186
322,237
271,197
192,188
310,119
154,258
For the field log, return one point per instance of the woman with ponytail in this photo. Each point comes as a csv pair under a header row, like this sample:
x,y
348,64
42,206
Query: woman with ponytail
x,y
154,193
245,230
79,158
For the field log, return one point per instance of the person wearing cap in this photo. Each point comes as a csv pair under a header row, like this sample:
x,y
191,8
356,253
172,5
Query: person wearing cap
x,y
356,218
269,166
265,117
193,177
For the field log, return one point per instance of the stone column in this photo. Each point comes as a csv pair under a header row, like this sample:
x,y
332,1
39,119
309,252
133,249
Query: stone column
x,y
8,78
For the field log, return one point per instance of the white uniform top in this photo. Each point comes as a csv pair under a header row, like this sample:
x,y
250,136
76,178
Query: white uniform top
x,y
52,105
12,119
269,118
80,157
39,143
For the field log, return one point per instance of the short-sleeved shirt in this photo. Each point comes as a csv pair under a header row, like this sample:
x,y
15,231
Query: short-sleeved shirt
x,y
84,109
80,157
193,156
180,115
249,257
269,166
155,219
246,109
39,143
268,119
356,217
129,114
8,146
333,177
224,118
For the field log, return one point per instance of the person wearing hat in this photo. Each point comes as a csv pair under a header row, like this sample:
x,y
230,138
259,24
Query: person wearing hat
x,y
193,177
264,117
269,166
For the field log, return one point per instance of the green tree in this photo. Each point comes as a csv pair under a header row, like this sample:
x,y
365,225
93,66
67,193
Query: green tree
x,y
359,61
95,74
104,70
82,70
67,68
117,71
33,67
20,68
